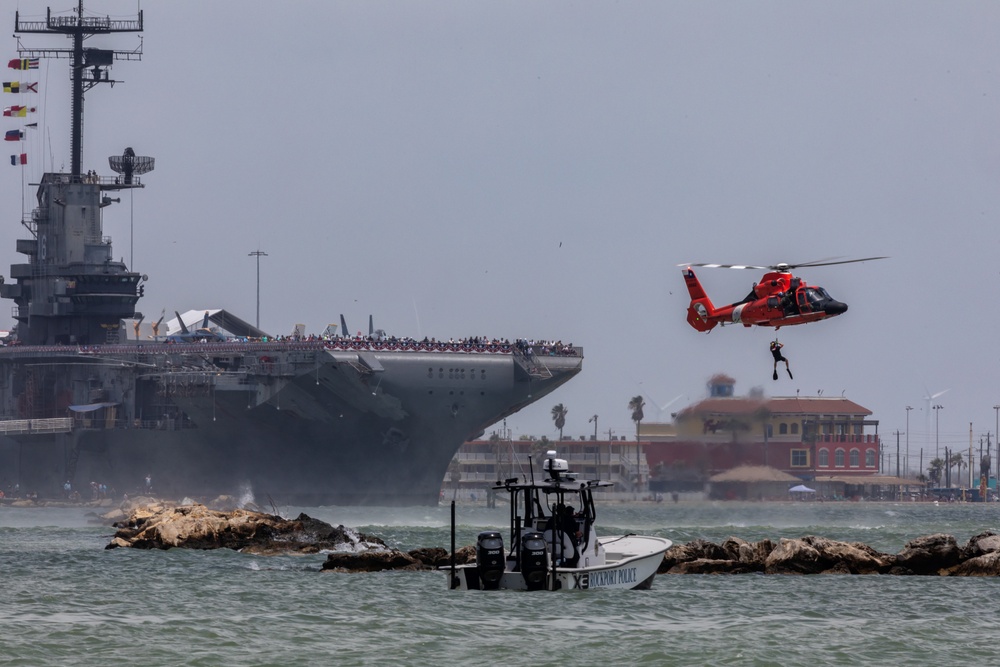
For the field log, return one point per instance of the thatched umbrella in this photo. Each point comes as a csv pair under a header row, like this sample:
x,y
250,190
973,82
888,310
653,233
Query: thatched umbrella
x,y
750,483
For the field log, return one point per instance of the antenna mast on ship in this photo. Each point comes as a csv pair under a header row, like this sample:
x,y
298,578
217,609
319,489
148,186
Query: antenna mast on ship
x,y
72,290
89,67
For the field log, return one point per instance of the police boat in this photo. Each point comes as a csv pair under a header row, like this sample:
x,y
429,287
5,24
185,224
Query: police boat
x,y
554,543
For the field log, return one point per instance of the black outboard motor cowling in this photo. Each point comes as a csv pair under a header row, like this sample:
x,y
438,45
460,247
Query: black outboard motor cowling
x,y
489,559
534,560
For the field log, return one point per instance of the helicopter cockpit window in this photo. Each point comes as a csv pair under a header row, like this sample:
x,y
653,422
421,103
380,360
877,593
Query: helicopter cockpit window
x,y
816,295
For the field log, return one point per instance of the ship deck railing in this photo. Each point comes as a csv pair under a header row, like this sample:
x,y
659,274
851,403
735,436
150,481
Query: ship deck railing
x,y
39,426
68,424
335,345
163,424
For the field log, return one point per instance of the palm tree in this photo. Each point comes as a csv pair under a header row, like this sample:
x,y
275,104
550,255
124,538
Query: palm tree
x,y
559,413
956,460
635,404
540,447
934,470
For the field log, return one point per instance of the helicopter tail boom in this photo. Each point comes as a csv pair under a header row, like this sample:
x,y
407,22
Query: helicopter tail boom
x,y
700,311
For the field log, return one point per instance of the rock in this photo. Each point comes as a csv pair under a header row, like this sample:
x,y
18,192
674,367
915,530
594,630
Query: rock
x,y
197,527
793,557
750,553
732,545
709,566
466,554
981,544
986,565
437,557
927,555
816,555
371,561
838,568
683,553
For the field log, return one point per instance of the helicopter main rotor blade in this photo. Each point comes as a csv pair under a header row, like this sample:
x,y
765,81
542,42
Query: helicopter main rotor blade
x,y
781,266
843,261
726,266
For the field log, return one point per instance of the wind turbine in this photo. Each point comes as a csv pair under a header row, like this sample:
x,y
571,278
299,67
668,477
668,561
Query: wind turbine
x,y
660,409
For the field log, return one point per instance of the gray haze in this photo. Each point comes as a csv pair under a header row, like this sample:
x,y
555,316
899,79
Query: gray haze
x,y
537,169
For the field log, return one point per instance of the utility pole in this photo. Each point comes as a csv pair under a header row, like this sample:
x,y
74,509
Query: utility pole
x,y
970,455
906,466
258,254
989,468
996,413
947,469
897,451
937,416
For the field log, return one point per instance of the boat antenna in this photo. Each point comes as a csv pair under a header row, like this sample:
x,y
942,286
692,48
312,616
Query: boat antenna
x,y
531,469
453,580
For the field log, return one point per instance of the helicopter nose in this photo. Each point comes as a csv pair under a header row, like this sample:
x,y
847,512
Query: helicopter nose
x,y
834,307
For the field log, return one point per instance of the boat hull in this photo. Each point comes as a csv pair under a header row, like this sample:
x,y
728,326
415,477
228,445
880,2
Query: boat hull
x,y
632,563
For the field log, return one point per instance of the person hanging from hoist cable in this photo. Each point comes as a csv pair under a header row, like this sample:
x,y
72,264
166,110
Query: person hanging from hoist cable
x,y
776,353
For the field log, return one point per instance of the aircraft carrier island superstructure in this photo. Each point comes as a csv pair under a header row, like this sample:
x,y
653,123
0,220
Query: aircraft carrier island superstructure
x,y
87,396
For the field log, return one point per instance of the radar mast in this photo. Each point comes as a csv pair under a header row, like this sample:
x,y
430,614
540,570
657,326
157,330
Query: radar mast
x,y
89,67
72,290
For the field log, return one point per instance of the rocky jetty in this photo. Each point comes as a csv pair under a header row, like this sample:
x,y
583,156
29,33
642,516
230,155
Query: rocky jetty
x,y
153,525
931,555
198,527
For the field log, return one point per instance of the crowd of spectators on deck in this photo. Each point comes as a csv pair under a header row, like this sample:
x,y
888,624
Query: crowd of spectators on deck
x,y
379,341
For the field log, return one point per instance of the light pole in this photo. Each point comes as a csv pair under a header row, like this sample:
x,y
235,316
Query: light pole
x,y
258,254
906,466
996,431
594,420
936,431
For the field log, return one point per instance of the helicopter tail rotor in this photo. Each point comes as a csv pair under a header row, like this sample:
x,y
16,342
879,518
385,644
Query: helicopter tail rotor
x,y
701,310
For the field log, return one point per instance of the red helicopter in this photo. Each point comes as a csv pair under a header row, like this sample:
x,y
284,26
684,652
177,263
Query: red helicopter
x,y
778,300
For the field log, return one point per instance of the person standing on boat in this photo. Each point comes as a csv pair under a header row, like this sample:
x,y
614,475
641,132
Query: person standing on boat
x,y
570,525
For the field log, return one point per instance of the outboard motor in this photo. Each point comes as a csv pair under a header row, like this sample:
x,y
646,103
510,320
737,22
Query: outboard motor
x,y
534,561
489,559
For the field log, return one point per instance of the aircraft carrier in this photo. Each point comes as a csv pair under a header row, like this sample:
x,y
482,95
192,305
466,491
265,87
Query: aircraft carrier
x,y
90,396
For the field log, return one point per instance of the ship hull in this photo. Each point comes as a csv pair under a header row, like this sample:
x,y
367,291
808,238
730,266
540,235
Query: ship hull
x,y
305,424
93,393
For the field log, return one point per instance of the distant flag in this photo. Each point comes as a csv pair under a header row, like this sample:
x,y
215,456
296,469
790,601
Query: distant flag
x,y
32,125
18,111
13,135
19,159
18,87
23,63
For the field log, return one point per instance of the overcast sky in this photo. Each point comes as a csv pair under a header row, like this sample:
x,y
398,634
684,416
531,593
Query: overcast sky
x,y
538,169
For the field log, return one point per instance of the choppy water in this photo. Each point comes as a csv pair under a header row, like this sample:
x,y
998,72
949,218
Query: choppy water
x,y
64,600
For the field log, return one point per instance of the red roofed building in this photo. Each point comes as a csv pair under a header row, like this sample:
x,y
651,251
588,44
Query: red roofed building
x,y
803,436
